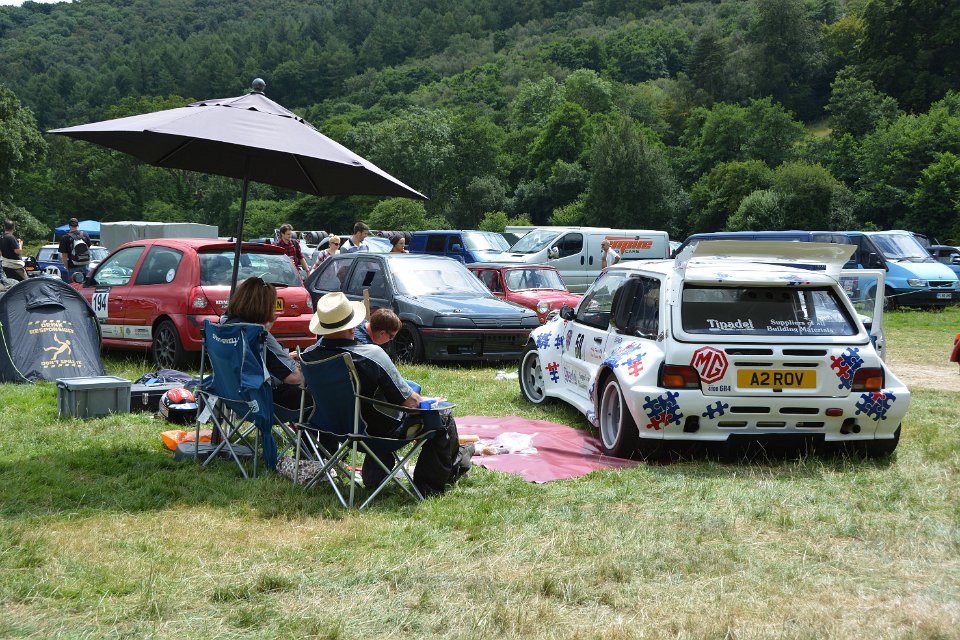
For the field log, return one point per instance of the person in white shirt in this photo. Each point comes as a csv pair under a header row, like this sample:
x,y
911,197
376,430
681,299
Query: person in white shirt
x,y
609,255
355,242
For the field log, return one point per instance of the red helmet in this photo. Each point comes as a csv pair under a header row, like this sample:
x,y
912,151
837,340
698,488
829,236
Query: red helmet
x,y
178,405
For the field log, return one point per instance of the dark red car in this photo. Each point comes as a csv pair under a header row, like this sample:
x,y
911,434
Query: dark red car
x,y
155,294
534,286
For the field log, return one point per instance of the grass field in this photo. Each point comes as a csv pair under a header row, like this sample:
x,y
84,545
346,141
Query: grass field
x,y
103,535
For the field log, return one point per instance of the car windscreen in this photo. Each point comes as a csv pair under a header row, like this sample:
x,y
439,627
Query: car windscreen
x,y
436,277
534,241
521,279
765,311
901,246
484,241
216,268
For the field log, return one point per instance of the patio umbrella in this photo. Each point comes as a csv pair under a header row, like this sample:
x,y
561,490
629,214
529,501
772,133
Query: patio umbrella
x,y
249,137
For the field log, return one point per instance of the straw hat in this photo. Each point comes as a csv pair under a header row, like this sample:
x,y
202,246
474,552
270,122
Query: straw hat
x,y
335,312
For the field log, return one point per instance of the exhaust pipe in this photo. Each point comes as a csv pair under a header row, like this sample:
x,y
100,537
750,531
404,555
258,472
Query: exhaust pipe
x,y
850,425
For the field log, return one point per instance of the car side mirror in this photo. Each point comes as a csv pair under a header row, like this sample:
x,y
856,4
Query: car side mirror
x,y
456,247
874,262
566,312
78,277
553,253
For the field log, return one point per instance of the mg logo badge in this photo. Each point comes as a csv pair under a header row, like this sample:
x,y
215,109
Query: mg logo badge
x,y
710,362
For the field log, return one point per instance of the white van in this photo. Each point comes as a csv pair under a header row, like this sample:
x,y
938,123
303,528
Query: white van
x,y
576,253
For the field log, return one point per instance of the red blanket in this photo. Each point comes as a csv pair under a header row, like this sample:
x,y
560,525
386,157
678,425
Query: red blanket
x,y
562,451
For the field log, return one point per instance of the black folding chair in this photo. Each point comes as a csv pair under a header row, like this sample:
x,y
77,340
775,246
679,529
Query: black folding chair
x,y
336,429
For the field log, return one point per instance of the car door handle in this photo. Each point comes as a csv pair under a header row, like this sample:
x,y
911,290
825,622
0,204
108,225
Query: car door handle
x,y
598,340
581,260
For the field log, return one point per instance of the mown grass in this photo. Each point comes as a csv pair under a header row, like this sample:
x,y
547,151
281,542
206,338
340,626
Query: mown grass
x,y
103,535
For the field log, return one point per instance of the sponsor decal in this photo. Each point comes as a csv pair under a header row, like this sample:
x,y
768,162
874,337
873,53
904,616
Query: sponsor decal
x,y
846,365
626,246
578,347
876,404
225,340
99,302
662,410
569,335
717,325
710,362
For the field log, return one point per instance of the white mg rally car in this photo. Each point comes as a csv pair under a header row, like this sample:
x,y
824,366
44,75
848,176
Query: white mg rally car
x,y
733,337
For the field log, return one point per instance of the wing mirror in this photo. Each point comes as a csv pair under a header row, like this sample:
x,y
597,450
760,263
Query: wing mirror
x,y
77,277
456,247
566,312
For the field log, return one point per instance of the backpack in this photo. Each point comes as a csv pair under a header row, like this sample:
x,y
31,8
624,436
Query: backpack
x,y
79,250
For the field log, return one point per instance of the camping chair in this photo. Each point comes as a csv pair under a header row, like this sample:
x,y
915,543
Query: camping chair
x,y
336,419
238,398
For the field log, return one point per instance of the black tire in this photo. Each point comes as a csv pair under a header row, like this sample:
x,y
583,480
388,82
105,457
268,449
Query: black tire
x,y
619,436
882,448
531,375
168,351
408,345
889,299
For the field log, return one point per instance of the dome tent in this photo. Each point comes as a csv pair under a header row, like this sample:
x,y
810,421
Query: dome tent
x,y
47,331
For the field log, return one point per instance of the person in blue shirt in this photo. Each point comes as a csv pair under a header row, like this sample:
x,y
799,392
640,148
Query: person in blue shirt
x,y
381,328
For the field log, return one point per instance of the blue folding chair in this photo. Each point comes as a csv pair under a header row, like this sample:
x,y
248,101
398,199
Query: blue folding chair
x,y
237,397
336,429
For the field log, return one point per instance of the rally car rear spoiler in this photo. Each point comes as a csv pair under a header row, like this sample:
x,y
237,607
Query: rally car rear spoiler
x,y
825,256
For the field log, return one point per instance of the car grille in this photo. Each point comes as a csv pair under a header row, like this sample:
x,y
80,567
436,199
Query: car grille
x,y
498,322
942,284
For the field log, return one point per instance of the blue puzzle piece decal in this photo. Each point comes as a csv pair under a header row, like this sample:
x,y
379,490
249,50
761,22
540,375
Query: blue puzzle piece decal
x,y
876,404
543,340
662,410
718,408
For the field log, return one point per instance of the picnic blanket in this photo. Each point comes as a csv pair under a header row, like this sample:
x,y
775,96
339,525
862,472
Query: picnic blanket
x,y
561,451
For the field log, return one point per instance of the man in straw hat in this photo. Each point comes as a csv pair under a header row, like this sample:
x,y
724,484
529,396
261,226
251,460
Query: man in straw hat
x,y
440,458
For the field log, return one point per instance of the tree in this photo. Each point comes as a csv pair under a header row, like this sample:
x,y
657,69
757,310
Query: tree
x,y
564,138
405,214
716,196
935,202
587,89
893,158
762,210
497,221
21,144
533,102
856,107
631,183
911,49
807,193
786,52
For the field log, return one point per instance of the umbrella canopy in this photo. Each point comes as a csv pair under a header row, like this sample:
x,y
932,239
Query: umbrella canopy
x,y
90,227
249,137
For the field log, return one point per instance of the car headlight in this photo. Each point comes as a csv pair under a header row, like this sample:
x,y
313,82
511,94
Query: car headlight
x,y
543,307
453,321
916,282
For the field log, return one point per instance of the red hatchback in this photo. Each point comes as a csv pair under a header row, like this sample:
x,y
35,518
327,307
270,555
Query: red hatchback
x,y
155,294
534,286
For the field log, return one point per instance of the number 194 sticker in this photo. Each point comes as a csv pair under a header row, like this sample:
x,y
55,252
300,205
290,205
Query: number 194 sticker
x,y
99,303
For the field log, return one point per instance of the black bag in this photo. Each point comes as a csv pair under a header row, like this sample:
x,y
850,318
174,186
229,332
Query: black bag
x,y
442,460
79,249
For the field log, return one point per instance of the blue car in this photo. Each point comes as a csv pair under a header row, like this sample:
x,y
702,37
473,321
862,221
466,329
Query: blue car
x,y
48,261
466,246
447,313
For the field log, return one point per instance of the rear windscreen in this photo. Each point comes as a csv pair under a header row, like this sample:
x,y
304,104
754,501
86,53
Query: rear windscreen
x,y
765,311
216,268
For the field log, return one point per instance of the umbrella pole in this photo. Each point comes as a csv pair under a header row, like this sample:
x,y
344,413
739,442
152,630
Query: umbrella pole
x,y
236,251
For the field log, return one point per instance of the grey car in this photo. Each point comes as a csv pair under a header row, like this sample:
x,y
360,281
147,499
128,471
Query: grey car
x,y
447,313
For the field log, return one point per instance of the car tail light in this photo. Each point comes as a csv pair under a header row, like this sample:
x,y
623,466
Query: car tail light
x,y
198,300
675,376
868,379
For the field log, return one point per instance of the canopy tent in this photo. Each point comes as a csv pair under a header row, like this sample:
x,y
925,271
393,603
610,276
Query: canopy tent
x,y
90,227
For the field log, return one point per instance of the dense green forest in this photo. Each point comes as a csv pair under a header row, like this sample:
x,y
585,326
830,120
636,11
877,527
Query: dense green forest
x,y
683,116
